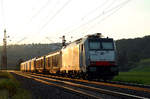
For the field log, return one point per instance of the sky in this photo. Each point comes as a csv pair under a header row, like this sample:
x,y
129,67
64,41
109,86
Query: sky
x,y
46,21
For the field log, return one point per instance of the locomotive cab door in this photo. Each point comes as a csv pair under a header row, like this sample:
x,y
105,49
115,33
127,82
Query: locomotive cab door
x,y
82,56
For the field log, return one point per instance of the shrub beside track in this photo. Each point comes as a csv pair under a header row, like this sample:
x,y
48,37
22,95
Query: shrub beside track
x,y
11,88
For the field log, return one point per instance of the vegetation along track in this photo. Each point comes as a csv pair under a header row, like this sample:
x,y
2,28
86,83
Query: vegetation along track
x,y
91,89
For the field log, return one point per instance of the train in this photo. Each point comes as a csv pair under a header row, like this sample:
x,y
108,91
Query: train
x,y
90,57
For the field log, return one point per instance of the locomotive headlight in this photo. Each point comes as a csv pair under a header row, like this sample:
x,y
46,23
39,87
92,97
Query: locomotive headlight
x,y
92,69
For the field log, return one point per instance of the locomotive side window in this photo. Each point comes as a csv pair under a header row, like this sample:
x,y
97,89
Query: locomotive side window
x,y
107,45
94,45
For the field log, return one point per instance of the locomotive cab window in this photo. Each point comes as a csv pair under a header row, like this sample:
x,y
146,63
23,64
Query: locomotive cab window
x,y
94,45
107,45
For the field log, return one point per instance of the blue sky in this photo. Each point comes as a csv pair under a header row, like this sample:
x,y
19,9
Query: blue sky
x,y
45,21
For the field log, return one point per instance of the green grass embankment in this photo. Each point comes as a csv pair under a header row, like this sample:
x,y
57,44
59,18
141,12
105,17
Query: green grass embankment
x,y
11,88
139,75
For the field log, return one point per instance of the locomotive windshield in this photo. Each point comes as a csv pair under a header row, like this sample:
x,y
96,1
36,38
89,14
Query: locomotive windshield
x,y
107,45
99,45
95,45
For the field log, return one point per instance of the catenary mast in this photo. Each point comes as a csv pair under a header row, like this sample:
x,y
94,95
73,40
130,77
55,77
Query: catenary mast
x,y
4,52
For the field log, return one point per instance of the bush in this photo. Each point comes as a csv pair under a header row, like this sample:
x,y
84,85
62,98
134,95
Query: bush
x,y
10,84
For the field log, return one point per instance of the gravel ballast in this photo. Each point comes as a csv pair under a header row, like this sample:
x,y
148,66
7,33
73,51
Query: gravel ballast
x,y
42,91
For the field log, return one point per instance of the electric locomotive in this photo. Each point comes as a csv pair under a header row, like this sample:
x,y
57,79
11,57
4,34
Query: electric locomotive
x,y
91,56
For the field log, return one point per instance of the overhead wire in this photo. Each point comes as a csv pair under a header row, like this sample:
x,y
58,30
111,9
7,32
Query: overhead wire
x,y
4,20
97,17
84,17
51,9
41,9
57,12
103,13
49,39
36,15
21,40
62,7
113,12
100,6
50,12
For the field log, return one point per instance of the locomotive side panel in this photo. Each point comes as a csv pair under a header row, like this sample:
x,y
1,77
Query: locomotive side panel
x,y
70,58
84,55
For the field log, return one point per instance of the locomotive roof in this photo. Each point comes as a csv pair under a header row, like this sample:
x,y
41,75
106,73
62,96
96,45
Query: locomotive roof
x,y
92,36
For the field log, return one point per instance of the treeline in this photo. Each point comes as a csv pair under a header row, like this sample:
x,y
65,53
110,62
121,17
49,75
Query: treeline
x,y
17,53
129,52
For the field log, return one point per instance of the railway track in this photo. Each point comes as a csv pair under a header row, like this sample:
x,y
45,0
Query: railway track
x,y
140,87
129,84
90,89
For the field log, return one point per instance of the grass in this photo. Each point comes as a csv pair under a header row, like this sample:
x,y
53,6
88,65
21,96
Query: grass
x,y
4,94
134,77
5,75
143,66
139,75
22,94
10,87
